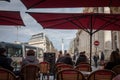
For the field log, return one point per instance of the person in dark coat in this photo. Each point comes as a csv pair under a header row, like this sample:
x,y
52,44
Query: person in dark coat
x,y
114,60
102,58
66,59
82,58
60,55
5,62
96,58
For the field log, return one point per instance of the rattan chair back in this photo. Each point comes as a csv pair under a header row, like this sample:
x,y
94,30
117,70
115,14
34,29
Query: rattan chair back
x,y
63,67
102,75
70,74
84,67
30,72
6,74
116,69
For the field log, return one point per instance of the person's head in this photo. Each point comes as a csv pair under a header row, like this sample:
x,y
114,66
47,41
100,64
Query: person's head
x,y
60,52
30,53
65,51
2,51
82,53
117,50
115,56
67,54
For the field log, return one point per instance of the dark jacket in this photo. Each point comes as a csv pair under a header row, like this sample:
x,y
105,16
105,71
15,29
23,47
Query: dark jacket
x,y
5,62
81,58
95,57
102,56
66,60
110,65
30,60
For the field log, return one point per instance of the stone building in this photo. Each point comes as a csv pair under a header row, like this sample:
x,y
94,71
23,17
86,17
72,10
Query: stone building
x,y
115,34
82,39
41,40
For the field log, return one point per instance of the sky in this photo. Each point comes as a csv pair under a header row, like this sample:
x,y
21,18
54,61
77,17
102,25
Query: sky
x,y
24,33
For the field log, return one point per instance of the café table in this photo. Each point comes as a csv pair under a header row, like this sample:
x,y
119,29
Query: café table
x,y
85,73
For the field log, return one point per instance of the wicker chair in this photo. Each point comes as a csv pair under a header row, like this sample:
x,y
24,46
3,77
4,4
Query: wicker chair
x,y
55,68
60,67
84,67
6,74
63,67
83,63
29,72
44,69
116,69
58,63
102,75
70,74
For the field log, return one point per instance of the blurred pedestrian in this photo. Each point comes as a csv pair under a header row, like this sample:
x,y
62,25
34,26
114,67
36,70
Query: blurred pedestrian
x,y
96,58
65,52
102,58
60,55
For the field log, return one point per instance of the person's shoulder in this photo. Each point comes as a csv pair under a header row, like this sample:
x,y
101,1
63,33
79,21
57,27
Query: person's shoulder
x,y
3,56
110,63
68,58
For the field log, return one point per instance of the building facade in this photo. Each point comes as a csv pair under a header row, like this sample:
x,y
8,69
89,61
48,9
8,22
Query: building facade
x,y
82,40
41,40
115,34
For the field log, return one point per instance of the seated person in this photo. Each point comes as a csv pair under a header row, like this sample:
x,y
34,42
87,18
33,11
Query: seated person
x,y
82,58
5,62
66,59
30,58
114,60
